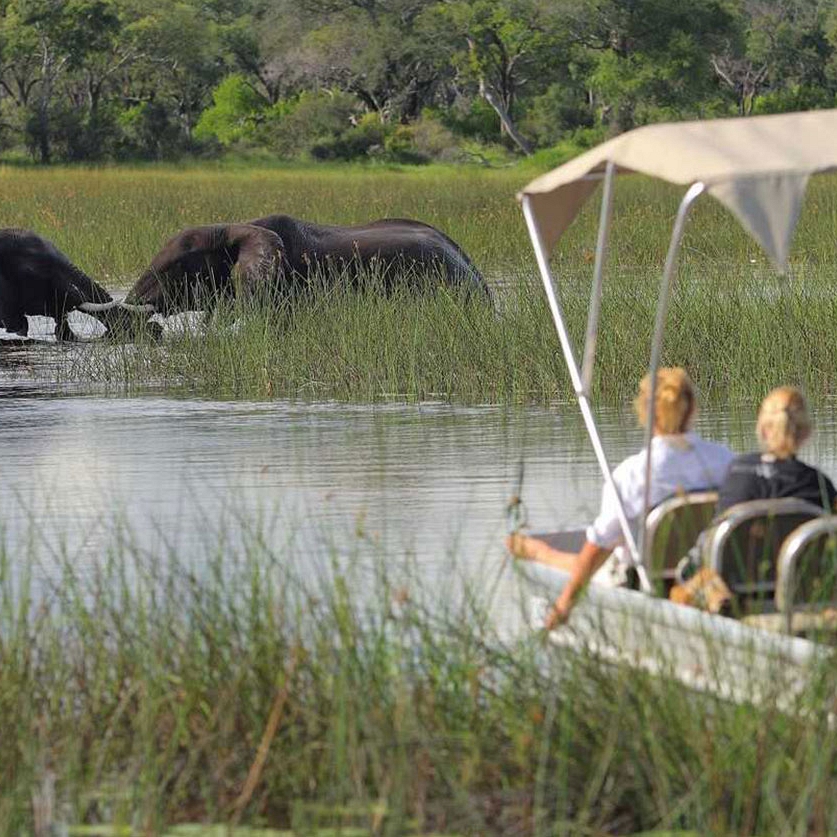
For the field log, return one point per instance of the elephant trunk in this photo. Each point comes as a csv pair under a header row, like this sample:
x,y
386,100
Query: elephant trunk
x,y
96,307
145,308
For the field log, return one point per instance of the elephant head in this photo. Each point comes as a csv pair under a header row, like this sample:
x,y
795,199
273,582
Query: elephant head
x,y
200,264
36,278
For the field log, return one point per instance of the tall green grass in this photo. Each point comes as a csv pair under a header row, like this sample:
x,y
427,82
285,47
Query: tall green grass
x,y
739,337
734,323
138,692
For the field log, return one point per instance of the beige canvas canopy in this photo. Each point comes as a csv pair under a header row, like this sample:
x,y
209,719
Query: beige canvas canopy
x,y
757,166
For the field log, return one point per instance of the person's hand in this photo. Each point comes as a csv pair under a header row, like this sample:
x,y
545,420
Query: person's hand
x,y
558,614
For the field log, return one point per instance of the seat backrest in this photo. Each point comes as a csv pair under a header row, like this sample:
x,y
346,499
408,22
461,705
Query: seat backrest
x,y
807,568
743,547
672,527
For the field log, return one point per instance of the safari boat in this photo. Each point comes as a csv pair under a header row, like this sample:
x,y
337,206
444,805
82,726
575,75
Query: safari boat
x,y
758,168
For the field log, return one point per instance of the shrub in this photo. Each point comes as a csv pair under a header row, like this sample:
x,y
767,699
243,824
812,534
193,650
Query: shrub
x,y
148,133
292,128
554,113
231,117
424,140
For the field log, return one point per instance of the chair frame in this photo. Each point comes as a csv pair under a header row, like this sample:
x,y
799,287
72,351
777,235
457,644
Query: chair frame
x,y
787,568
659,513
741,513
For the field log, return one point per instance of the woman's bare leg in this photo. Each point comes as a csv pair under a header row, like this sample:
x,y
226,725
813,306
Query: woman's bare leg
x,y
534,549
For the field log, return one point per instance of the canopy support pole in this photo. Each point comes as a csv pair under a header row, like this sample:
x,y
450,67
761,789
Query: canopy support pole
x,y
575,376
598,273
693,193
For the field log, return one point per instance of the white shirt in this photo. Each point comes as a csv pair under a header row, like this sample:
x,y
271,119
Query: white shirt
x,y
679,462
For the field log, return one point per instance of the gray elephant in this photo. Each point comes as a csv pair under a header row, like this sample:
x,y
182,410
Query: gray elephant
x,y
397,250
36,278
202,264
280,255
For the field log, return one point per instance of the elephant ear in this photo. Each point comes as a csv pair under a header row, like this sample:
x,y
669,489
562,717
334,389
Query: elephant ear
x,y
259,260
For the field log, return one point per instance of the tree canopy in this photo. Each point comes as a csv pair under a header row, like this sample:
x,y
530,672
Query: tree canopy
x,y
395,79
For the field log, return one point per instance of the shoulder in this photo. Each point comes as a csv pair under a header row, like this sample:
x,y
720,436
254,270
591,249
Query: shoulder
x,y
713,454
814,472
746,462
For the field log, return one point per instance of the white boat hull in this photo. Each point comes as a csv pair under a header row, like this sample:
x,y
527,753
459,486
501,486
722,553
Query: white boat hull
x,y
707,653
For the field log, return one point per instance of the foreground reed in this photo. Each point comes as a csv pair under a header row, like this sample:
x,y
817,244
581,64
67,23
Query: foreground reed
x,y
141,692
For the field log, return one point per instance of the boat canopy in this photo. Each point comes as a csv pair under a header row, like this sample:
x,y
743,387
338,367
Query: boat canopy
x,y
757,166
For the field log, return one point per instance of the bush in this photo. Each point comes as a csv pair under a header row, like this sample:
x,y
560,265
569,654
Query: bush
x,y
795,97
475,119
236,107
424,140
559,110
148,133
366,138
295,127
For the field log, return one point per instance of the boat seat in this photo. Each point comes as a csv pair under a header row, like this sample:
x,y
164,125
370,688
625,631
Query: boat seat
x,y
806,581
672,528
743,546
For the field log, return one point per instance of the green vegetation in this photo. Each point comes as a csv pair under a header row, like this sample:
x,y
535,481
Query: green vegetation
x,y
140,692
737,326
394,80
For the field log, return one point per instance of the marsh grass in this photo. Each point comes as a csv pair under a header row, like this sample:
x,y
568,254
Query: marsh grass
x,y
759,330
136,693
736,325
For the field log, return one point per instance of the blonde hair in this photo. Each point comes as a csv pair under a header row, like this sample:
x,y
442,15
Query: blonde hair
x,y
674,400
783,423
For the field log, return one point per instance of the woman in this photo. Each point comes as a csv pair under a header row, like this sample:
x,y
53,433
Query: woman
x,y
680,461
782,426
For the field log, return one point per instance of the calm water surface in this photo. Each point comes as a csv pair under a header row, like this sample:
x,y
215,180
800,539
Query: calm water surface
x,y
429,481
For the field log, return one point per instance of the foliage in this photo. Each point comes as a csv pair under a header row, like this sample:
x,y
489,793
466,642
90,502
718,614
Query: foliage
x,y
235,107
110,79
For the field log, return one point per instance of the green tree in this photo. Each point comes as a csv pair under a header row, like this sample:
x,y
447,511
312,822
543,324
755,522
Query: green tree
x,y
180,57
650,58
782,51
235,106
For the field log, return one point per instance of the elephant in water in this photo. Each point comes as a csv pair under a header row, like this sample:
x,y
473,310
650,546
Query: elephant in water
x,y
279,254
219,260
36,278
397,250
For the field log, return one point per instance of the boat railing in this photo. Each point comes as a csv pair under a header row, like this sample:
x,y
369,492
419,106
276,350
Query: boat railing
x,y
744,545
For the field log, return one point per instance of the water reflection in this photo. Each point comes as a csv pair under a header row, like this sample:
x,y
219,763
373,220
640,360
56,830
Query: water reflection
x,y
426,480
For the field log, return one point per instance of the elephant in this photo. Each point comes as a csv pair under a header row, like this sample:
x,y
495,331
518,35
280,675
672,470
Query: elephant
x,y
280,255
398,250
37,278
199,263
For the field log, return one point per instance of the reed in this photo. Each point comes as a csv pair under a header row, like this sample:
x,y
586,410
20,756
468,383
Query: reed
x,y
734,323
143,691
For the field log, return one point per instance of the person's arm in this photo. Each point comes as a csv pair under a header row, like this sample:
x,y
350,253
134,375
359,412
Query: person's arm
x,y
585,564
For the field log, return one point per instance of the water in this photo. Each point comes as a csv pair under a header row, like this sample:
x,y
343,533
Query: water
x,y
429,482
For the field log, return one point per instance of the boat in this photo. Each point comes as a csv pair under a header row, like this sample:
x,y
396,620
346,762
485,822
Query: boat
x,y
758,168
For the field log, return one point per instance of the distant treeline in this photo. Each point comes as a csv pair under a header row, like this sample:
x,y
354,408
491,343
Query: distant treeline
x,y
401,80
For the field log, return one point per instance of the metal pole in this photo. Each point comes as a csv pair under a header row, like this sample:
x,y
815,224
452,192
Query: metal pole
x,y
583,402
598,272
694,191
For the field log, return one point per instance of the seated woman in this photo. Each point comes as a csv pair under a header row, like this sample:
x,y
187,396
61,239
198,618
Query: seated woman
x,y
680,461
782,426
